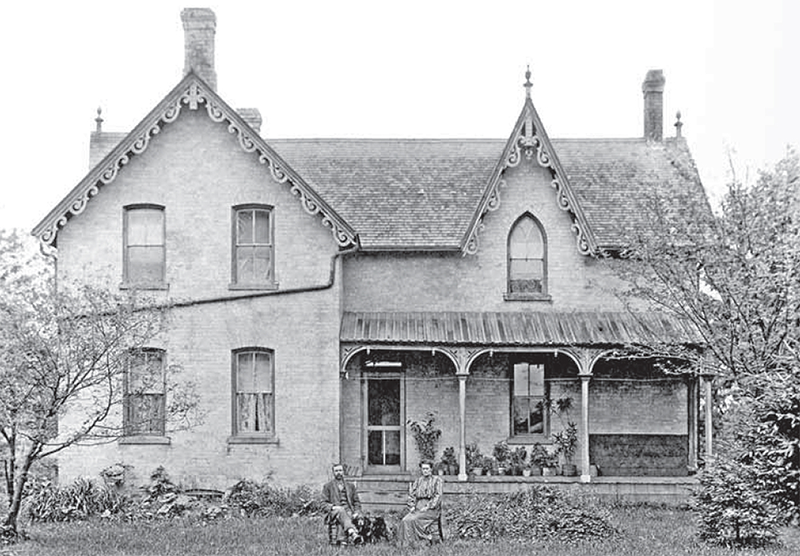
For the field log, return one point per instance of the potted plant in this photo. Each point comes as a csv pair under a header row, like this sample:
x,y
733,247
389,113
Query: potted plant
x,y
449,460
489,465
539,459
567,440
502,455
474,458
518,458
550,464
426,436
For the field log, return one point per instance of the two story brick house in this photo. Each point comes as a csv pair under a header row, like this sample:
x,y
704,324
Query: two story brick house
x,y
326,291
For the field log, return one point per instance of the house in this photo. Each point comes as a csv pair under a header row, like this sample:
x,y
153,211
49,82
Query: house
x,y
326,291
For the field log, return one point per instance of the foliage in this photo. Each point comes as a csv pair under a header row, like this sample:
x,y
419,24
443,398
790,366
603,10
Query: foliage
x,y
449,457
519,457
488,464
265,500
567,441
534,514
539,456
502,453
732,509
735,276
61,349
46,502
473,455
426,436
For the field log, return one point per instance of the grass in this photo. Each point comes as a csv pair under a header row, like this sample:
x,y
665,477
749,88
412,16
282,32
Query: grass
x,y
652,531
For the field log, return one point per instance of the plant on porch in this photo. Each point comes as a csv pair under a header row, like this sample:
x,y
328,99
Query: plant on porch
x,y
449,461
567,442
502,454
474,458
426,435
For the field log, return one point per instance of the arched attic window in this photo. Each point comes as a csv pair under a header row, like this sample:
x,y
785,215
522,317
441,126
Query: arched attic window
x,y
527,260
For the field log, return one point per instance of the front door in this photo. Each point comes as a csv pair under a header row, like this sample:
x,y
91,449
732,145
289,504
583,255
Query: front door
x,y
383,422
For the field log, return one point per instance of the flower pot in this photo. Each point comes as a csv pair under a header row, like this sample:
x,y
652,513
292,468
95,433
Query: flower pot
x,y
569,470
526,472
549,471
477,471
536,471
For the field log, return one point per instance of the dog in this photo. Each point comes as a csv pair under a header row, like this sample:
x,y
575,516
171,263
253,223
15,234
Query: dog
x,y
371,529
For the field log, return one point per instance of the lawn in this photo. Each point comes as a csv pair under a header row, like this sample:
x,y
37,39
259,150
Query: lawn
x,y
644,530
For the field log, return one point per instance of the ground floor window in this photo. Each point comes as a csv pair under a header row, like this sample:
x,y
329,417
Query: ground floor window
x,y
529,399
254,397
144,403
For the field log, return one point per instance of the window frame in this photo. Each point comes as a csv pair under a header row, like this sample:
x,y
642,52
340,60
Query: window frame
x,y
127,419
126,263
246,437
528,437
527,296
236,283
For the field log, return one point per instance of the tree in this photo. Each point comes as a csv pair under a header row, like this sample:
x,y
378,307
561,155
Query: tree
x,y
64,359
735,275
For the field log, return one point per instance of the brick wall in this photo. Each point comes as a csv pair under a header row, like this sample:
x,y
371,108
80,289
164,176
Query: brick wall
x,y
197,170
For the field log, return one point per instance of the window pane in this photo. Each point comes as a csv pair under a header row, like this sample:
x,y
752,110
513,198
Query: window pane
x,y
253,265
262,375
146,264
384,402
244,227
526,241
521,379
145,414
254,412
536,378
262,227
245,375
145,227
146,373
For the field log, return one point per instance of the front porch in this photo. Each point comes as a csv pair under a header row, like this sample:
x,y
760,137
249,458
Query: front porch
x,y
491,378
385,493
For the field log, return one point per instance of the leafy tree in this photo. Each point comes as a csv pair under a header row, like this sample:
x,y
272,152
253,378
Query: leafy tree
x,y
735,276
63,355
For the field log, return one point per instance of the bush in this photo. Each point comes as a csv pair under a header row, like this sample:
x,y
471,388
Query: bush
x,y
731,509
82,499
263,499
536,513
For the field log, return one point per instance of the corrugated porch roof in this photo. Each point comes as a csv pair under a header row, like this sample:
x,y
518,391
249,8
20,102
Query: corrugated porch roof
x,y
517,328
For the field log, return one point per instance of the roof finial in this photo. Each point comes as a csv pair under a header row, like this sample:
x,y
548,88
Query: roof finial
x,y
99,120
678,125
528,83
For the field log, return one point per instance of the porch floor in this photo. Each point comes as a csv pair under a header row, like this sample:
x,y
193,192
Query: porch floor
x,y
389,492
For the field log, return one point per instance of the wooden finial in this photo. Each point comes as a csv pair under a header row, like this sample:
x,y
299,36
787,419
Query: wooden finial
x,y
528,83
99,120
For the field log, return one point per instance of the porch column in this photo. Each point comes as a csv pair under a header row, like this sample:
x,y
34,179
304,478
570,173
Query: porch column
x,y
585,474
693,402
462,428
708,379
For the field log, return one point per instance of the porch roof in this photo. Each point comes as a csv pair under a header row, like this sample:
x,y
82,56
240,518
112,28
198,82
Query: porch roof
x,y
517,328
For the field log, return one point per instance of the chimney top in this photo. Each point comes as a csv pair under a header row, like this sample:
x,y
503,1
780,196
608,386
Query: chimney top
x,y
653,90
199,27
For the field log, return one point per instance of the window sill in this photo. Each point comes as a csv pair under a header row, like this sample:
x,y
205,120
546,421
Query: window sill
x,y
253,287
146,287
145,439
529,439
253,440
508,296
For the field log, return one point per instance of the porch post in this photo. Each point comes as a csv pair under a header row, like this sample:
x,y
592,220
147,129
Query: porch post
x,y
693,394
585,474
462,429
708,379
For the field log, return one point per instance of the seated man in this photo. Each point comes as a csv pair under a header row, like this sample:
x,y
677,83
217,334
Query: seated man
x,y
342,504
424,505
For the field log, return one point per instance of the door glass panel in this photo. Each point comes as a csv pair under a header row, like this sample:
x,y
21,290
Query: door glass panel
x,y
384,402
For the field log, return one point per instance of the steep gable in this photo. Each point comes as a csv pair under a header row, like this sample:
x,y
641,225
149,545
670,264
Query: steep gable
x,y
192,93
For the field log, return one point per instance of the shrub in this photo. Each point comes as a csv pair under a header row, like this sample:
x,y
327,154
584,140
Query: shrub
x,y
536,513
731,509
262,499
83,498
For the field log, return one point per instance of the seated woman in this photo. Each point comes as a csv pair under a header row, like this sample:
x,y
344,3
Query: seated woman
x,y
424,505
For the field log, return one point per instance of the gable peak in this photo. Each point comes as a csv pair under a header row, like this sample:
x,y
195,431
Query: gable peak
x,y
528,83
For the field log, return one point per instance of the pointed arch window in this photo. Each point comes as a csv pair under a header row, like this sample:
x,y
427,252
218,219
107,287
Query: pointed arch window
x,y
527,260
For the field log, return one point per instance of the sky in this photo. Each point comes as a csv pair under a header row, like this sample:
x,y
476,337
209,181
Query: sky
x,y
434,68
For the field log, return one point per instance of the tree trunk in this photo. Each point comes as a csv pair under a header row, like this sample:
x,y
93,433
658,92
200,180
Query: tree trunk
x,y
9,528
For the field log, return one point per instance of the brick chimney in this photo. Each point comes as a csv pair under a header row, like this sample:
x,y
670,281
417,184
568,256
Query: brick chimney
x,y
199,26
653,89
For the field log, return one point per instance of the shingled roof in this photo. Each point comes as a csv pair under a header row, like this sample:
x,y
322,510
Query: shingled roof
x,y
422,193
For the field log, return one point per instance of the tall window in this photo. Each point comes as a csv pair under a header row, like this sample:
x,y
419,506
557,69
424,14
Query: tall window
x,y
530,406
144,403
144,247
527,262
254,399
252,246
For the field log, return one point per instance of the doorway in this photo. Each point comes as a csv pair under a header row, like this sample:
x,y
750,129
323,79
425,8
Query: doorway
x,y
383,445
